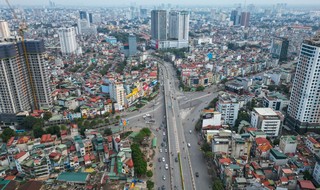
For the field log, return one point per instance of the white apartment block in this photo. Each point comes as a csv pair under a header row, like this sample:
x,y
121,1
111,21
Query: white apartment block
x,y
117,93
228,106
304,107
267,120
4,29
68,42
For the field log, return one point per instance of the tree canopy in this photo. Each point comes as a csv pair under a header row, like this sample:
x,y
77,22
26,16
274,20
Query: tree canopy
x,y
7,134
140,165
29,122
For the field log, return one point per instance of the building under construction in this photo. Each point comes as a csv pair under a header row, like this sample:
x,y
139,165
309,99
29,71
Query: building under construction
x,y
24,83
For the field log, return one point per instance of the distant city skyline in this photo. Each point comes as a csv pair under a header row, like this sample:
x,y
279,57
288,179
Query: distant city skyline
x,y
153,2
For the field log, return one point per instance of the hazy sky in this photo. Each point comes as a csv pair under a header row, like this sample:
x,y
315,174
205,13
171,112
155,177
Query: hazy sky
x,y
157,2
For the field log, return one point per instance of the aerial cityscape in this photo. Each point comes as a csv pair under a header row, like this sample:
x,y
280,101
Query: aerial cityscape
x,y
159,95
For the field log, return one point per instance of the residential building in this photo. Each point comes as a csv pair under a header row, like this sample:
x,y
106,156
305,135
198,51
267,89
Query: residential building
x,y
117,94
288,144
228,106
304,107
313,144
267,120
23,86
130,49
4,29
179,25
36,166
279,48
278,157
159,25
275,100
68,40
210,118
316,171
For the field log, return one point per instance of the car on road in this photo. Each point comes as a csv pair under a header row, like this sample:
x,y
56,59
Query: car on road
x,y
164,177
147,115
163,187
197,174
176,159
189,145
166,166
160,150
162,144
166,150
163,159
159,159
164,133
190,131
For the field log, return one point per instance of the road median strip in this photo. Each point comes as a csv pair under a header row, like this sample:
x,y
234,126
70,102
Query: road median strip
x,y
181,174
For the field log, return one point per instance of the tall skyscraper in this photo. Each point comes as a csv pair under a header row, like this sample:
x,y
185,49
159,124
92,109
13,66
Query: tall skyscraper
x,y
90,17
83,15
4,29
132,39
279,48
179,25
304,107
159,24
23,87
68,41
245,18
235,17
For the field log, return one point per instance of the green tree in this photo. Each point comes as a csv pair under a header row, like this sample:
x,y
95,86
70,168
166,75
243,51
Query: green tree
x,y
47,115
86,123
54,130
217,185
150,184
108,131
242,115
107,121
7,134
276,142
93,123
140,165
30,121
206,147
149,173
208,155
63,127
307,175
117,117
145,131
199,88
38,131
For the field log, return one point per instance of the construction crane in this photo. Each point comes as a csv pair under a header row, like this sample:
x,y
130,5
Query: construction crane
x,y
22,28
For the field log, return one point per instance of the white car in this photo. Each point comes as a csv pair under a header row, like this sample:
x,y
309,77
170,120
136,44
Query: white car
x,y
163,160
166,150
189,145
164,133
160,149
167,167
190,131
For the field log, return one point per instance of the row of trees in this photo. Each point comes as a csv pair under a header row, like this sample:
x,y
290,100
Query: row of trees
x,y
38,131
140,164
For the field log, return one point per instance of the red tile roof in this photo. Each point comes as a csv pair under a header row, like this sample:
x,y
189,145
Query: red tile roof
x,y
306,184
19,155
130,163
86,158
